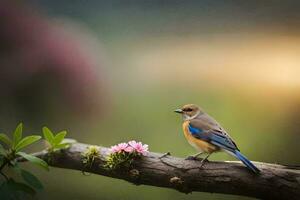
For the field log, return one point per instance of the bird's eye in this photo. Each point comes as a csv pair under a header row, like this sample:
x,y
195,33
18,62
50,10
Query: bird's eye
x,y
188,110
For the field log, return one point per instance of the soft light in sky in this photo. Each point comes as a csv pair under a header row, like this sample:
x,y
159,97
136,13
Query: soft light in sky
x,y
257,60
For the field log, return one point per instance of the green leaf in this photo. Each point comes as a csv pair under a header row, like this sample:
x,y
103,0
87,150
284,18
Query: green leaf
x,y
1,160
5,139
27,141
2,151
48,135
18,134
31,179
62,146
14,186
34,160
16,168
59,137
69,140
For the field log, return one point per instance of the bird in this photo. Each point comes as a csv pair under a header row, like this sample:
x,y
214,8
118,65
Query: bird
x,y
206,135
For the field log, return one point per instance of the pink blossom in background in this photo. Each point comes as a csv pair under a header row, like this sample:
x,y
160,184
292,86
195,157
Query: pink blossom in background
x,y
38,52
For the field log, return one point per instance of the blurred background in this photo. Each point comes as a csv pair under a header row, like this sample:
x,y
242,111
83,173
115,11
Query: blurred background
x,y
112,71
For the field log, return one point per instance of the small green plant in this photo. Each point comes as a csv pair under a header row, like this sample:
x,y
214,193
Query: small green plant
x,y
55,142
10,151
15,146
120,160
88,157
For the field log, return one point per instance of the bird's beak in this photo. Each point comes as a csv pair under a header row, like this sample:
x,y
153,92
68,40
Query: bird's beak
x,y
178,111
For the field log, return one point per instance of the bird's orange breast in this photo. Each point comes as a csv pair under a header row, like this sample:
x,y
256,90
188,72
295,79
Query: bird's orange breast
x,y
200,145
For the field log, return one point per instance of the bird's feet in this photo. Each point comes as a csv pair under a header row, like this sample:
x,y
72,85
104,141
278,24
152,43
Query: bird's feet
x,y
192,158
203,161
164,155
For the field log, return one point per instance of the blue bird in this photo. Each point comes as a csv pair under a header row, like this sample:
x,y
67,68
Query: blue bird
x,y
207,136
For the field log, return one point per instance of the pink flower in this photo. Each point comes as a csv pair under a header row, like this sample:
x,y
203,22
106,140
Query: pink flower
x,y
122,146
129,149
119,148
139,147
115,149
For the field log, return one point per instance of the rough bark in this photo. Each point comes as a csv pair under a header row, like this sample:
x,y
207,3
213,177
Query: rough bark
x,y
229,177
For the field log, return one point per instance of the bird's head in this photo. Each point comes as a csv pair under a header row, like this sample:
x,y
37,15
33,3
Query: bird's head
x,y
189,111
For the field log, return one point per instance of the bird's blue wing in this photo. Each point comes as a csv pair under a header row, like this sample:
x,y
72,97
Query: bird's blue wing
x,y
216,136
213,136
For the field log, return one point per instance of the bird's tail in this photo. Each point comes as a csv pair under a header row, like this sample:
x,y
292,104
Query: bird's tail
x,y
247,162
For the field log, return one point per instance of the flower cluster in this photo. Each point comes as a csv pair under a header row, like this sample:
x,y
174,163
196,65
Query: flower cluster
x,y
130,147
123,154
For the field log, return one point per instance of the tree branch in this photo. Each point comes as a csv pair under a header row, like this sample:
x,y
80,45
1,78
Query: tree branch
x,y
274,181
